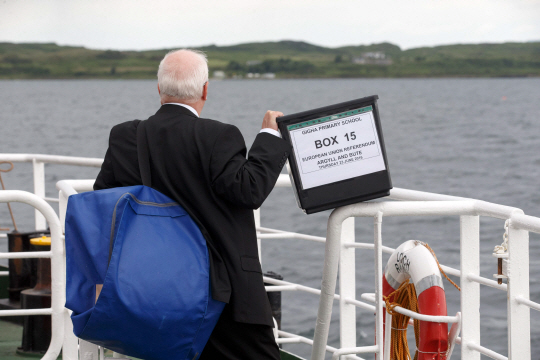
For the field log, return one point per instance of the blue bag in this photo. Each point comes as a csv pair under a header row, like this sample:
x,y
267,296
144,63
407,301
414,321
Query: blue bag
x,y
153,262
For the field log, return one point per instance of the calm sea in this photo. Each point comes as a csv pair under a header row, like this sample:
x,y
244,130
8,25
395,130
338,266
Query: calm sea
x,y
467,137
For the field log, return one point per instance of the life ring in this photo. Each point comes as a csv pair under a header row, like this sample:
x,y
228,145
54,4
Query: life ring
x,y
412,260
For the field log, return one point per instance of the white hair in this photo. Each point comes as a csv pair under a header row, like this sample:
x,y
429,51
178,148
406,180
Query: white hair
x,y
183,79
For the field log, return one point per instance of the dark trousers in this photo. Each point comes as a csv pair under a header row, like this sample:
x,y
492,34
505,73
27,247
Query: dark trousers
x,y
232,340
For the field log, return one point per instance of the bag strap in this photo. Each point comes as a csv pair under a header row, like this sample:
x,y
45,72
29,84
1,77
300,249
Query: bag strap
x,y
143,155
144,168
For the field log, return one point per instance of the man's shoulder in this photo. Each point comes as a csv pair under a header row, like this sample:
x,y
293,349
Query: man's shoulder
x,y
214,124
214,127
211,128
124,128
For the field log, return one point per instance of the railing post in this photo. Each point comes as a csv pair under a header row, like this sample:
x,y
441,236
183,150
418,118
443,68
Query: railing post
x,y
387,335
39,190
328,284
62,209
257,215
70,348
87,350
519,340
70,343
379,312
470,290
347,286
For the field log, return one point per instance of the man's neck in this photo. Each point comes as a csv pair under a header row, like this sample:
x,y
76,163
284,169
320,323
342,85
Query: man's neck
x,y
198,105
184,106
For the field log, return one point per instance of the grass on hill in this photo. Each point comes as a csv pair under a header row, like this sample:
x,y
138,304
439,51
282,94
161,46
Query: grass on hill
x,y
287,59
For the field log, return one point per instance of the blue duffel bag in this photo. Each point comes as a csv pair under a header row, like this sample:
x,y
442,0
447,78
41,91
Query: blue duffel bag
x,y
152,261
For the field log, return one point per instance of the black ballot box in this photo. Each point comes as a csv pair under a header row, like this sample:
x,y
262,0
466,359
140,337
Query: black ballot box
x,y
338,155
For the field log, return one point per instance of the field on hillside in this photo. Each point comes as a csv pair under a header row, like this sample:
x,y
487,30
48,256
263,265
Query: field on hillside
x,y
285,59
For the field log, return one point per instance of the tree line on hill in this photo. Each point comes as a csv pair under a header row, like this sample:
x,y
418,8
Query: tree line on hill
x,y
285,59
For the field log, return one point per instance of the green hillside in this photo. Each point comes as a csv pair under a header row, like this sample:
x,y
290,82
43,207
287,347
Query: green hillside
x,y
286,59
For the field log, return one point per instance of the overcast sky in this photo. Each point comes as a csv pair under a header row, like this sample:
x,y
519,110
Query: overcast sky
x,y
153,24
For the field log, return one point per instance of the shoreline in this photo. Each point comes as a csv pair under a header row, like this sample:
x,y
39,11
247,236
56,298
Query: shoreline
x,y
283,78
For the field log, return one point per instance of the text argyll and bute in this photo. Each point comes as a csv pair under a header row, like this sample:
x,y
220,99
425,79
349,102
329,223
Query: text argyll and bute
x,y
337,151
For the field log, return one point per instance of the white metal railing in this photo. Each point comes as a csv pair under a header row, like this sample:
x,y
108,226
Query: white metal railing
x,y
62,334
340,254
38,164
58,270
422,204
469,212
433,204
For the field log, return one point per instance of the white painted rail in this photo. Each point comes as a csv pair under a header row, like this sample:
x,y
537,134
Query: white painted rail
x,y
38,164
340,248
425,204
58,274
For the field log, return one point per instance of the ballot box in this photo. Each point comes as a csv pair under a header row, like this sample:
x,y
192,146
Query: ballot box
x,y
338,155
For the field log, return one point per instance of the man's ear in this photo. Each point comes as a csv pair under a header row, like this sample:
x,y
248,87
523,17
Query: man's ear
x,y
158,90
205,91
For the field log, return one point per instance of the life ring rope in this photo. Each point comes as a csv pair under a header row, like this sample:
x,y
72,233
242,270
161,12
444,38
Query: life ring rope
x,y
439,265
406,296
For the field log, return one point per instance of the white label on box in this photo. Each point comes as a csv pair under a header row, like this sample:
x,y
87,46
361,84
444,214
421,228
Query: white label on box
x,y
337,147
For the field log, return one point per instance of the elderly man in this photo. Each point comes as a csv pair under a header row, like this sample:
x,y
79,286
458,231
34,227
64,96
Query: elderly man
x,y
202,164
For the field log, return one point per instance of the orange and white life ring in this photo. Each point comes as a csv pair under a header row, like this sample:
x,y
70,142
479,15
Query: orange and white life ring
x,y
411,260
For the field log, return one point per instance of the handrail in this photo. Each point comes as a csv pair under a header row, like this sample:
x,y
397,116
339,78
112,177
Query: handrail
x,y
525,222
279,234
436,205
417,203
411,202
52,159
26,312
58,274
26,254
38,164
356,350
415,315
529,303
485,351
482,207
422,204
302,339
71,187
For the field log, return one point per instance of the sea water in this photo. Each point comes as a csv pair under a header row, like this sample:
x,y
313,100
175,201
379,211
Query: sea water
x,y
467,137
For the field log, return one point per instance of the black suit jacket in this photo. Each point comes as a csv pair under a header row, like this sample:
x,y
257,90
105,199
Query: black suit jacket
x,y
202,164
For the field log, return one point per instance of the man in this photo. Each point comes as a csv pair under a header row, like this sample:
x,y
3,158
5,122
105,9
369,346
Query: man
x,y
201,164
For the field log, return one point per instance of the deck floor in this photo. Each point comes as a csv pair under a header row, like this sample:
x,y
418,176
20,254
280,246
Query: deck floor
x,y
11,339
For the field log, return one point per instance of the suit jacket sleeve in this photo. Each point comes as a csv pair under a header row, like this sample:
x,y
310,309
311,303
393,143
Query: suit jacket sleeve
x,y
246,183
105,178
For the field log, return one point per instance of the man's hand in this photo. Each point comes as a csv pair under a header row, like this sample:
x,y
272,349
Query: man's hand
x,y
269,120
